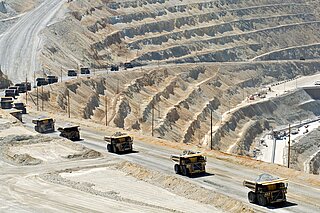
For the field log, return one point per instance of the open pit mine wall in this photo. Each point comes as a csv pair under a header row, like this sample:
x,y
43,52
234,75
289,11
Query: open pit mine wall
x,y
314,164
251,120
305,152
263,115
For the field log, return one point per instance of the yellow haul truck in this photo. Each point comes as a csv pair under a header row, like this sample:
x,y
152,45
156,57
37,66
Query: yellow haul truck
x,y
119,142
267,189
44,125
189,163
70,131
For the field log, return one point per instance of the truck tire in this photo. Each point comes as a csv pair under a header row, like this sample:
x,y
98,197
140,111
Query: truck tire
x,y
262,201
109,148
177,169
252,197
184,171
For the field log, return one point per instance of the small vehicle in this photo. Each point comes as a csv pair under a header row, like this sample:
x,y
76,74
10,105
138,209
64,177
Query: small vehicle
x,y
84,70
41,82
52,79
70,131
317,83
128,65
251,97
294,131
72,73
119,142
114,68
267,189
10,93
21,106
189,163
44,125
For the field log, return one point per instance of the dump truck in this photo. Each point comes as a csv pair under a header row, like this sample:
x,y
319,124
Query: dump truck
x,y
119,142
70,131
114,68
16,90
52,79
267,189
189,163
42,81
72,73
21,106
21,88
84,70
6,102
44,125
10,93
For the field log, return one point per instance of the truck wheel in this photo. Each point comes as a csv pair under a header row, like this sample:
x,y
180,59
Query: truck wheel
x,y
109,148
184,170
252,197
262,200
176,168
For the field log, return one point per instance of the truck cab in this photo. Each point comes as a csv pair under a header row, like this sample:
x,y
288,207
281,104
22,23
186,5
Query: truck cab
x,y
119,142
44,125
189,163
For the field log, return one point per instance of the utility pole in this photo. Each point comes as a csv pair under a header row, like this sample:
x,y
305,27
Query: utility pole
x,y
42,98
289,141
34,78
152,122
68,94
26,90
211,143
106,109
118,86
37,98
61,74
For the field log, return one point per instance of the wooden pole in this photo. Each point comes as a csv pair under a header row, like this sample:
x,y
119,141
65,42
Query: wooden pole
x,y
211,140
42,98
26,90
289,142
152,117
37,98
106,109
68,104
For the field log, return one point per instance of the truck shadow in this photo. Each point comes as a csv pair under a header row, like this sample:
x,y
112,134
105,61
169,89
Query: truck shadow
x,y
127,153
206,174
281,205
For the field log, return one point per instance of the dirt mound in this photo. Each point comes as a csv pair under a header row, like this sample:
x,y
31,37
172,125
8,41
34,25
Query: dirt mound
x,y
87,154
25,160
183,188
32,150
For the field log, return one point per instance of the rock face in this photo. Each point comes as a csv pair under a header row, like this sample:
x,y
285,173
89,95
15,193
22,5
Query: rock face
x,y
4,81
3,8
171,31
306,153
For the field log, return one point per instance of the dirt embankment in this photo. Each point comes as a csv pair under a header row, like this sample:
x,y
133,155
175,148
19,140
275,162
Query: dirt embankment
x,y
32,150
171,183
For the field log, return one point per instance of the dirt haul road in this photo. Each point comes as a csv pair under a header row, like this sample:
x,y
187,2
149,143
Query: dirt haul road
x,y
21,43
222,177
